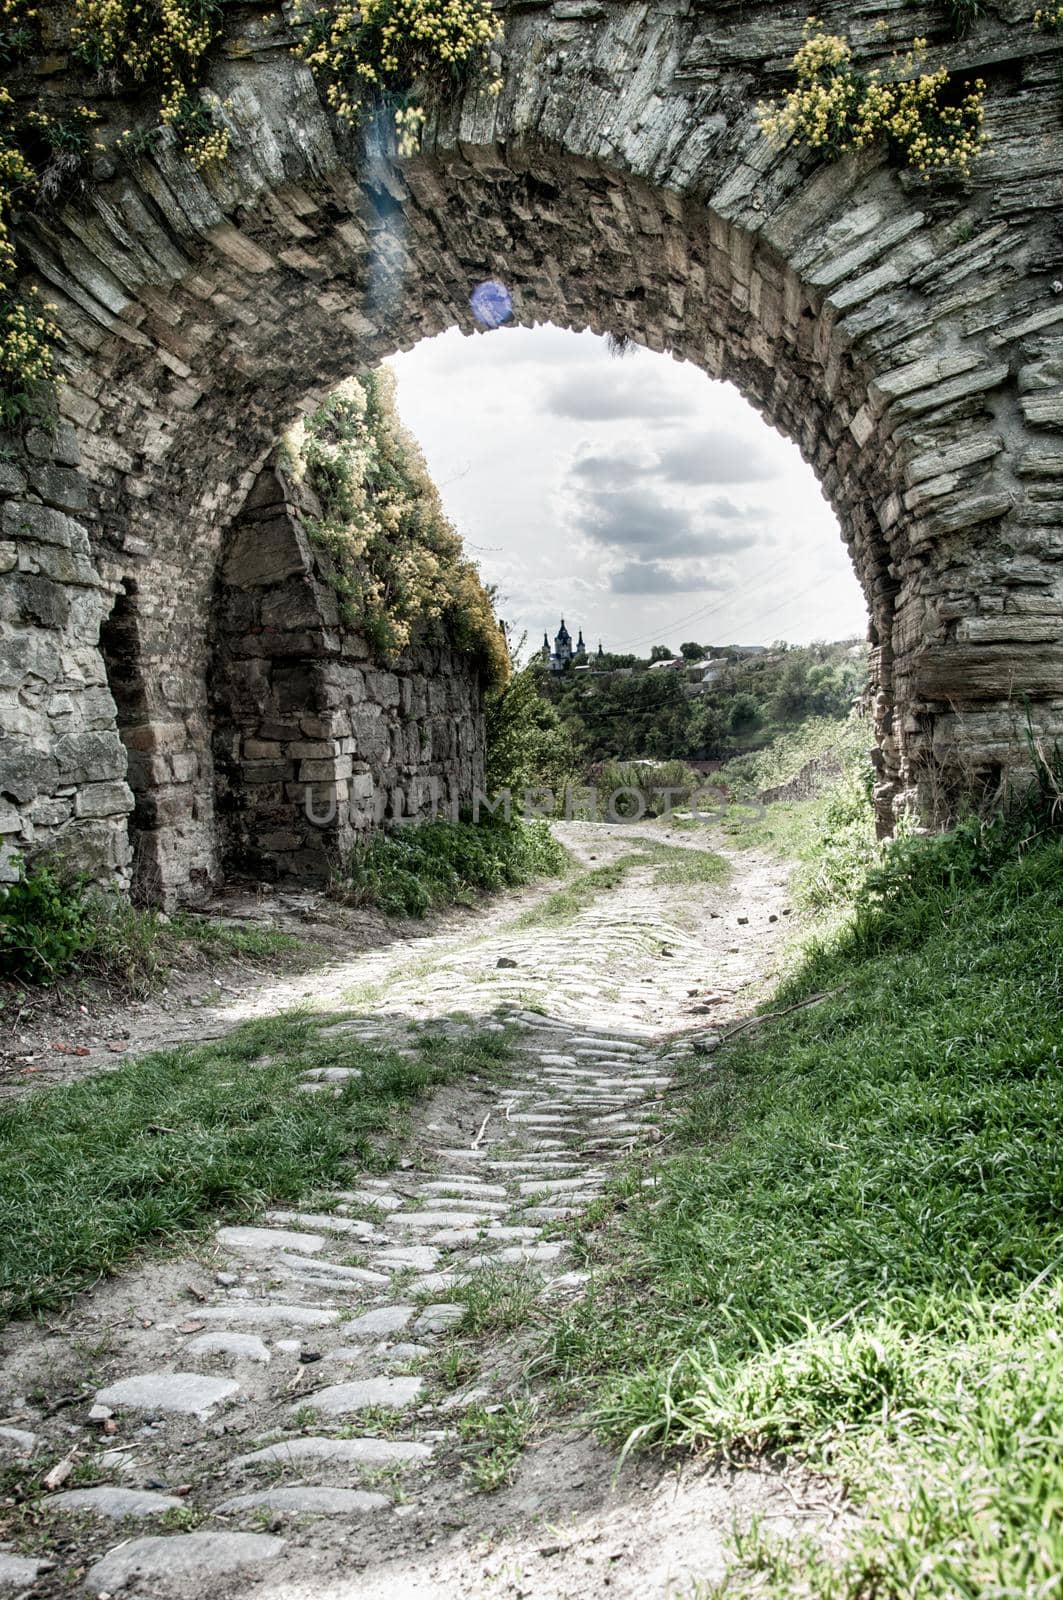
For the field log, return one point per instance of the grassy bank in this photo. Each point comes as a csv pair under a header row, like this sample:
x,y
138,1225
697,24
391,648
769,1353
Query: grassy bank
x,y
55,924
92,1171
413,870
856,1252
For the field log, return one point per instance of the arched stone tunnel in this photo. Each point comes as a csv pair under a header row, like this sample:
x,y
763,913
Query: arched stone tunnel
x,y
908,336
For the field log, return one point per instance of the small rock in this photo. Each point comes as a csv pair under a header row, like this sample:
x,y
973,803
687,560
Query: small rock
x,y
307,1499
15,1442
199,1557
398,1354
386,1319
436,1319
505,961
257,1239
188,1393
240,1346
107,1501
342,1398
17,1571
267,1313
363,1452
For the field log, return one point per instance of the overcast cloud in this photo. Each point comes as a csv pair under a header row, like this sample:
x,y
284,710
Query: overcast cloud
x,y
635,497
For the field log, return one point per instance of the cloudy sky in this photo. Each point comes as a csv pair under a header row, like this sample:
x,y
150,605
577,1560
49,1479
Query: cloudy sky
x,y
635,497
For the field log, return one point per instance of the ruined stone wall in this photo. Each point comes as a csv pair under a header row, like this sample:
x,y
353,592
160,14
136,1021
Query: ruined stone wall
x,y
315,742
907,336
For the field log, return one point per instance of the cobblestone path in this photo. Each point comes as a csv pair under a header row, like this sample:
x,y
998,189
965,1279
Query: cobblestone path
x,y
267,1417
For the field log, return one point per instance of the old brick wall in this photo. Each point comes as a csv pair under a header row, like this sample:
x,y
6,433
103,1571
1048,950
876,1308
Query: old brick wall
x,y
314,742
907,336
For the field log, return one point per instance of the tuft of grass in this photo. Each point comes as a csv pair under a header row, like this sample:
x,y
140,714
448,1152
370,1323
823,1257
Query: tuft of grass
x,y
415,869
496,1300
579,893
94,1170
228,939
856,1252
499,1435
55,923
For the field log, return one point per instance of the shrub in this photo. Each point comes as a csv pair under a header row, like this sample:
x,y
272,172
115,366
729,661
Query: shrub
x,y
45,923
649,778
837,108
55,922
528,746
385,544
417,868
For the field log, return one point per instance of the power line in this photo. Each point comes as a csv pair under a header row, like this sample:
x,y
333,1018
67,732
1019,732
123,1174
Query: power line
x,y
702,611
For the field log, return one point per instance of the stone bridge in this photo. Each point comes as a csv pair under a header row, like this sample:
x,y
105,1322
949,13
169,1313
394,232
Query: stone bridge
x,y
908,336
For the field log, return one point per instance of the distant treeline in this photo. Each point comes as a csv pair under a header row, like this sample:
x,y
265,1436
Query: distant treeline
x,y
705,703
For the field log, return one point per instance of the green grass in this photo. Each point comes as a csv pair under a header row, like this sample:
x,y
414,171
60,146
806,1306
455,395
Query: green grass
x,y
225,939
498,1436
672,863
92,1171
413,870
496,1300
856,1252
579,893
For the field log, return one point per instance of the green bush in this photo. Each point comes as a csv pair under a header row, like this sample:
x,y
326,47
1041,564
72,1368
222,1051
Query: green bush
x,y
46,923
55,921
528,746
415,869
650,778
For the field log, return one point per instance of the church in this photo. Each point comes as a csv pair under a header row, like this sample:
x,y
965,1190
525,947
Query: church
x,y
563,652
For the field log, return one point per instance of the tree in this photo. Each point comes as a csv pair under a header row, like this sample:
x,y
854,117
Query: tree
x,y
528,746
660,652
692,651
706,728
744,714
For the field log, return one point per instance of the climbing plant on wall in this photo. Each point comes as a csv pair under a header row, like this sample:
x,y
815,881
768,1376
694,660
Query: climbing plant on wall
x,y
163,43
835,107
384,541
380,49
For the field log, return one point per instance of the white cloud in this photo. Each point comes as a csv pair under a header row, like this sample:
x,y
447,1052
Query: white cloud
x,y
574,475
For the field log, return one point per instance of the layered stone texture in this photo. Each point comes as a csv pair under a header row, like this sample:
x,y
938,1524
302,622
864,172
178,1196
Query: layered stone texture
x,y
907,336
316,743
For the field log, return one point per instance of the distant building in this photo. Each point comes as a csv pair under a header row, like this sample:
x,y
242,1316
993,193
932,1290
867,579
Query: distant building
x,y
564,652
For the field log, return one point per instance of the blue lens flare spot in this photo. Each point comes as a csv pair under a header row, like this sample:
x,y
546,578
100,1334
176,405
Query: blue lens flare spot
x,y
491,304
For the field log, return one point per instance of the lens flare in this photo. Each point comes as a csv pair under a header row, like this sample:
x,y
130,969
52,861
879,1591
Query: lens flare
x,y
491,304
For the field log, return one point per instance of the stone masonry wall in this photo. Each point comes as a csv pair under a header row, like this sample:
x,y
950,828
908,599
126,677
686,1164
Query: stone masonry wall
x,y
907,336
314,742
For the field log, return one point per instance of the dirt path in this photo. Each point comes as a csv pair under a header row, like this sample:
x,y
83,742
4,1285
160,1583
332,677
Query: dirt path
x,y
276,1416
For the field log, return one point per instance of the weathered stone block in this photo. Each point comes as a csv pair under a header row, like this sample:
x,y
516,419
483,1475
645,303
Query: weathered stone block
x,y
22,519
90,757
103,799
40,601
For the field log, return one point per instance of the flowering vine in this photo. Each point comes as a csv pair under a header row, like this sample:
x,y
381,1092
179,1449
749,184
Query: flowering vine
x,y
161,42
384,542
836,108
378,49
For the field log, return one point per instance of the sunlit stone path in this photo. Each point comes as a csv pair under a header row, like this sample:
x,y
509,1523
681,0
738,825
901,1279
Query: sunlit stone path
x,y
283,1413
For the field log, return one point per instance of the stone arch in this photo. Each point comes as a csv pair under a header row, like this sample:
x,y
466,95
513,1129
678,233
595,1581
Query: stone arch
x,y
909,338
